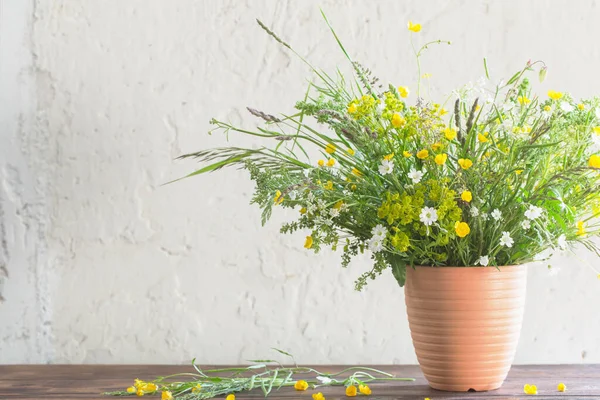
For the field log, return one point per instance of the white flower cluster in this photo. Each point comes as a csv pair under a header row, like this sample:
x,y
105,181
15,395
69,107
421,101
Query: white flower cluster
x,y
375,244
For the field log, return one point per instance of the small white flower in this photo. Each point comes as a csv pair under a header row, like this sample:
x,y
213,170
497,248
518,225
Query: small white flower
x,y
375,244
386,167
311,196
379,231
321,204
484,261
553,270
292,195
526,224
566,106
474,211
562,242
428,216
415,175
311,208
334,212
497,214
506,240
533,212
324,380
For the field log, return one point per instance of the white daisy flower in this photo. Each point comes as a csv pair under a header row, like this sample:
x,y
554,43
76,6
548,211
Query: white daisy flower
x,y
415,175
506,240
428,216
533,212
497,214
566,106
483,261
474,211
386,167
379,231
375,244
562,242
526,224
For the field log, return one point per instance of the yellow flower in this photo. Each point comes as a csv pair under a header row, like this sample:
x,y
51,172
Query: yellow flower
x,y
519,171
580,228
423,154
352,108
483,137
462,229
196,388
338,204
530,389
301,384
581,106
307,245
466,196
321,163
443,111
364,389
414,27
436,146
166,395
523,100
353,188
131,389
278,197
150,387
356,172
597,130
555,95
351,391
137,383
547,108
139,393
318,396
328,185
397,120
465,163
303,210
561,387
407,154
440,159
330,149
594,161
331,162
403,91
230,397
450,133
389,157
477,107
350,151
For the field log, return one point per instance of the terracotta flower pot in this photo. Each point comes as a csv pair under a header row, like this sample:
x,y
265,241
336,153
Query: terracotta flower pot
x,y
465,323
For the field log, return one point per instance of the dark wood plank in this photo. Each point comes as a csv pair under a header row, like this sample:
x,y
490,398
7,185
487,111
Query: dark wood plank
x,y
89,381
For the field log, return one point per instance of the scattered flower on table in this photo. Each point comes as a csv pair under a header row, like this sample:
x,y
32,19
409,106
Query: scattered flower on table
x,y
561,387
530,389
166,395
364,389
351,391
301,385
318,396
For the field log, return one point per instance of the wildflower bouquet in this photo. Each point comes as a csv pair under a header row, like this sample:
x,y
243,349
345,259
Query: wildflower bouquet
x,y
500,176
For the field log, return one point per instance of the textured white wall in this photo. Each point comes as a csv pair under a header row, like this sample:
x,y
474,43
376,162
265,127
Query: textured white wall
x,y
101,264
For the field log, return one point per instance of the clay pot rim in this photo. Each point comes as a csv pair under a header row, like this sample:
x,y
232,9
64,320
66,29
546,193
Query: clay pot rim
x,y
465,266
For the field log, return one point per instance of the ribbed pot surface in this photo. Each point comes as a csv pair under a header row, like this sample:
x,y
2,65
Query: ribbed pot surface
x,y
465,323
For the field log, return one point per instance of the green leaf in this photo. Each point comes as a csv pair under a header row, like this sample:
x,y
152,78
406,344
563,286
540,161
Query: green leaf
x,y
398,269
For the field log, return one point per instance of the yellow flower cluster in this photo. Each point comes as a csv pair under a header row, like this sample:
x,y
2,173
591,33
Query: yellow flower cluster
x,y
362,107
141,388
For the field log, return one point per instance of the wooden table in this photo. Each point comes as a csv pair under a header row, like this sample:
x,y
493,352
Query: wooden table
x,y
89,381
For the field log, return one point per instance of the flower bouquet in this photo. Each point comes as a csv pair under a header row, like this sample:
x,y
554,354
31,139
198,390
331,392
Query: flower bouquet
x,y
494,176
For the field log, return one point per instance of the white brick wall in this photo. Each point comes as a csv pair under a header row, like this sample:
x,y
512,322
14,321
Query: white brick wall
x,y
101,264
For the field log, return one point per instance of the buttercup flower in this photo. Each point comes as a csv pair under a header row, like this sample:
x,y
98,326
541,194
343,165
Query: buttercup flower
x,y
523,100
561,387
440,159
580,228
594,161
428,216
555,95
166,395
308,242
462,229
530,389
450,133
301,385
131,389
389,157
230,397
331,162
321,163
483,261
415,175
581,106
414,27
318,396
398,120
403,91
330,149
466,196
506,240
351,391
364,389
350,151
352,108
483,137
407,154
465,163
423,154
